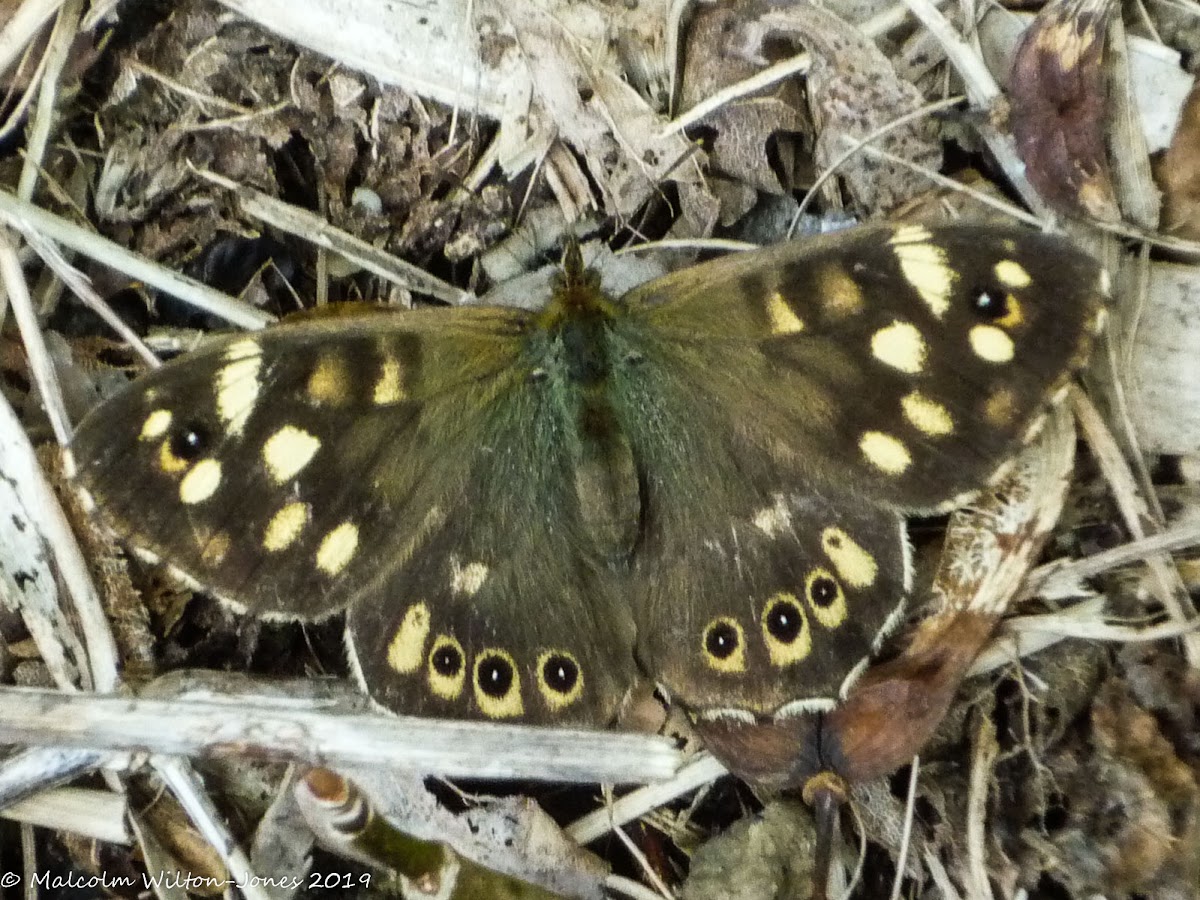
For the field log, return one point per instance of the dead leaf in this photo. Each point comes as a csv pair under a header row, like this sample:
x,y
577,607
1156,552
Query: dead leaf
x,y
742,130
853,90
1057,93
1178,173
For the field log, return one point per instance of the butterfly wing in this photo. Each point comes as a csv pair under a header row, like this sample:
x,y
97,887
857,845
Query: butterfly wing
x,y
783,406
402,467
907,362
505,612
273,467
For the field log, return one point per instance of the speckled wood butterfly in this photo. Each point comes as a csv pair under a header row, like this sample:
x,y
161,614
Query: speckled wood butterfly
x,y
704,479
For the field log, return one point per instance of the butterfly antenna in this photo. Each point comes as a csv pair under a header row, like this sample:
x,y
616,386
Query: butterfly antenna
x,y
825,792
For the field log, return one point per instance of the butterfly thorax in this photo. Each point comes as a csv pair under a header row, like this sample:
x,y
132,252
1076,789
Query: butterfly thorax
x,y
571,345
577,319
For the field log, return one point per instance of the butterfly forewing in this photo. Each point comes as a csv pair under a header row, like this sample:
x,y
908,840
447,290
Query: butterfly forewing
x,y
907,363
408,467
286,470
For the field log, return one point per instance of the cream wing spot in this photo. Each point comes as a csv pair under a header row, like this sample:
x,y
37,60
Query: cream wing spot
x,y
771,520
337,548
1000,408
900,346
406,651
155,425
329,381
215,548
288,451
1012,274
783,319
884,452
467,579
926,415
991,344
285,526
201,482
911,234
238,384
841,296
855,566
925,267
388,388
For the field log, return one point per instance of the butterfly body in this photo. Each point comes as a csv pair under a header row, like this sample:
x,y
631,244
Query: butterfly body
x,y
704,480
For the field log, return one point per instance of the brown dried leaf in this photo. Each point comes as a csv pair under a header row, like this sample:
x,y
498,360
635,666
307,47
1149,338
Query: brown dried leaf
x,y
1157,828
853,90
1057,94
740,130
772,854
1178,173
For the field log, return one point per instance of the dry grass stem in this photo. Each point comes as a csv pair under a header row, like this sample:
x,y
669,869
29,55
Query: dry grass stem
x,y
313,228
314,733
1168,587
696,773
26,216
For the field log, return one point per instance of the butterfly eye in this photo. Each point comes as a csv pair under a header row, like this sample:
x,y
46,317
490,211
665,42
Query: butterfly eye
x,y
189,442
826,597
724,648
559,678
785,629
497,686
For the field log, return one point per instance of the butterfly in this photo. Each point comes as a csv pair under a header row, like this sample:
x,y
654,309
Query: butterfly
x,y
704,481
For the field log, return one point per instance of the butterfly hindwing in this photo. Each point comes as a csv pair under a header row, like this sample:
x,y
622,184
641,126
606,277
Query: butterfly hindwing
x,y
788,598
504,613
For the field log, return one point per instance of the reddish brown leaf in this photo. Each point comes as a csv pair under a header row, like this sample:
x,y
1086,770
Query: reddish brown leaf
x,y
1178,173
1057,95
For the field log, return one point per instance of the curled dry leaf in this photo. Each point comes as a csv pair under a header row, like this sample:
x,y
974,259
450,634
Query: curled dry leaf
x,y
1178,173
344,818
743,129
853,90
1057,93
